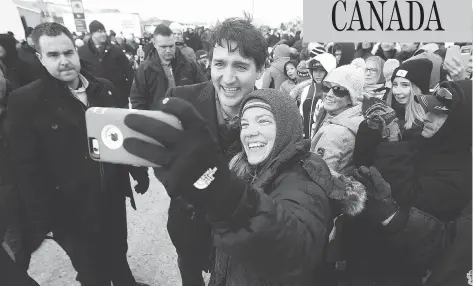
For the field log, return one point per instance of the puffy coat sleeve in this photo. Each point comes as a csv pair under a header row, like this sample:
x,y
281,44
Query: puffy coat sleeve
x,y
139,94
335,146
286,237
438,192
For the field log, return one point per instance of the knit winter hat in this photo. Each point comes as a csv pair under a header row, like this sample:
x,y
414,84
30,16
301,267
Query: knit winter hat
x,y
286,114
282,51
95,26
389,66
201,54
416,71
437,61
350,77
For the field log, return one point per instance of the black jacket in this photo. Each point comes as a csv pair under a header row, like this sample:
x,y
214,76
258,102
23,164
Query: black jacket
x,y
59,185
17,72
27,54
151,83
112,65
189,230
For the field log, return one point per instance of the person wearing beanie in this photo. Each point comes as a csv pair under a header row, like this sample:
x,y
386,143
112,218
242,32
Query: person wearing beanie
x,y
374,77
268,208
337,123
106,60
203,61
409,80
359,62
274,76
319,66
290,70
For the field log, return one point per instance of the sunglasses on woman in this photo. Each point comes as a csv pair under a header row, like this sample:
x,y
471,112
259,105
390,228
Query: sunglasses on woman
x,y
338,91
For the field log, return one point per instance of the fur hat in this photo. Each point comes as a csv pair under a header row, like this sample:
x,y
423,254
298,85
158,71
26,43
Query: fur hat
x,y
350,77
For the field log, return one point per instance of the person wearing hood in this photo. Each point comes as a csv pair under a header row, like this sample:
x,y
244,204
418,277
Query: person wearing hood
x,y
344,53
192,40
290,70
304,80
106,60
17,71
363,50
319,67
165,67
269,210
386,51
374,77
337,123
27,54
407,50
274,76
422,193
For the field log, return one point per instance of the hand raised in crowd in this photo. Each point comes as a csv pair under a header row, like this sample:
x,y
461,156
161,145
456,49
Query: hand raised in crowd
x,y
455,69
380,116
196,166
380,205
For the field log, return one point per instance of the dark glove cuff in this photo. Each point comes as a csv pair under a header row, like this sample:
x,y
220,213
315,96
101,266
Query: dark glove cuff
x,y
398,222
239,208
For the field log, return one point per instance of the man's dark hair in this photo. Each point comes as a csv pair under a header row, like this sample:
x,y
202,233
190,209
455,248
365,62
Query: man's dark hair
x,y
162,30
50,30
250,41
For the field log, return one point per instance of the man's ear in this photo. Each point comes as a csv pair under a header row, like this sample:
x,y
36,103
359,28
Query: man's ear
x,y
38,55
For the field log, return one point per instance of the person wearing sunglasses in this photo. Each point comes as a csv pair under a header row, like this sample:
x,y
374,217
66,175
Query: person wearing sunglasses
x,y
337,123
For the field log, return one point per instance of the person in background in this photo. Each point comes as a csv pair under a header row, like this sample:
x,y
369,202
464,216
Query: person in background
x,y
81,201
363,50
304,80
389,66
27,54
274,75
17,72
407,50
337,123
192,40
113,37
203,61
344,53
291,72
319,67
12,272
166,67
386,51
374,77
105,60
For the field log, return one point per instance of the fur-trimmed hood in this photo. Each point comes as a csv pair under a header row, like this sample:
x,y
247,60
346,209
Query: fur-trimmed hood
x,y
348,196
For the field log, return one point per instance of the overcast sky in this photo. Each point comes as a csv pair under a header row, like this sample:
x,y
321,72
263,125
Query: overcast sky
x,y
271,12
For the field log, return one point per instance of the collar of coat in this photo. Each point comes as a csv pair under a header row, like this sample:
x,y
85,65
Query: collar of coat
x,y
347,195
154,61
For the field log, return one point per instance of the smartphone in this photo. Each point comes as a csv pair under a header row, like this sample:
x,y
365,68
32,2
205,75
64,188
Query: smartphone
x,y
106,132
452,52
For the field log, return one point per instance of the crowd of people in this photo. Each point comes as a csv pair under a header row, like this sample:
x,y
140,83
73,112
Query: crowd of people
x,y
350,165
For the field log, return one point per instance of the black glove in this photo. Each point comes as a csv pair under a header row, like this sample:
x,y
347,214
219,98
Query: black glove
x,y
380,204
197,168
140,175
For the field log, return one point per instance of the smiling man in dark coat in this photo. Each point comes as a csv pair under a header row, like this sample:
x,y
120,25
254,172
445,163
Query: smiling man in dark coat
x,y
61,189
